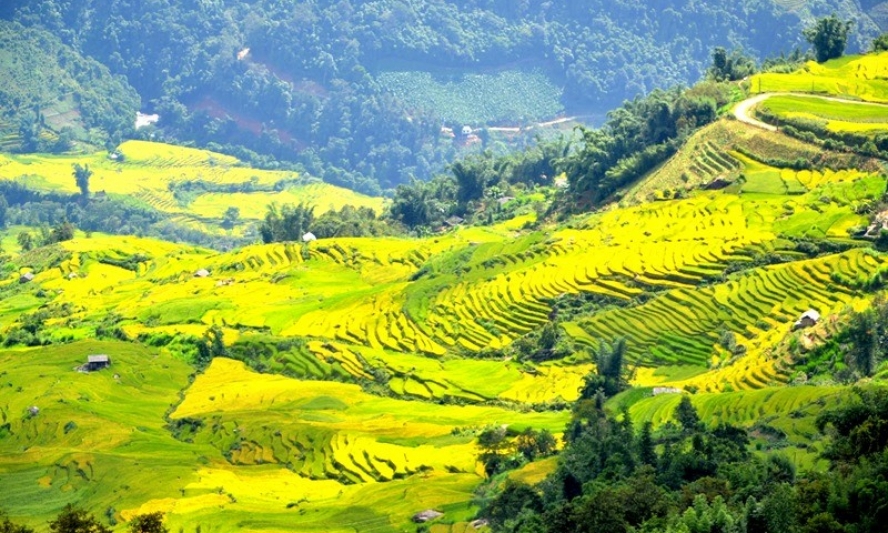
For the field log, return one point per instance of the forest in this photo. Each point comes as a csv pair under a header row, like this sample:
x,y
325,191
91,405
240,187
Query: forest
x,y
297,84
690,477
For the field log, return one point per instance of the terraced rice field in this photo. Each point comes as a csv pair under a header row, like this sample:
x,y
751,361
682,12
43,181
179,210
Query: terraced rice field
x,y
681,327
269,453
153,172
360,301
859,77
836,116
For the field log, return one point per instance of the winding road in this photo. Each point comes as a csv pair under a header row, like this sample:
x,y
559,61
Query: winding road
x,y
742,111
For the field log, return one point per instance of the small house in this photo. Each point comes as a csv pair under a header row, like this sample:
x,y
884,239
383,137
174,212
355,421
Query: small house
x,y
202,273
453,221
466,131
27,277
309,237
808,319
97,362
425,516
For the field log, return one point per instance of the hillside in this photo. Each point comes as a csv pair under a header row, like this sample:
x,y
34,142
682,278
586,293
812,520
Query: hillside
x,y
343,384
52,96
357,92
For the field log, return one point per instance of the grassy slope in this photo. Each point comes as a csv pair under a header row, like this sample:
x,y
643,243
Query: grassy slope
x,y
275,453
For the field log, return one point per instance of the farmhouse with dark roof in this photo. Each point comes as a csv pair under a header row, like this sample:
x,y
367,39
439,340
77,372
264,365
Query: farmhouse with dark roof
x,y
97,362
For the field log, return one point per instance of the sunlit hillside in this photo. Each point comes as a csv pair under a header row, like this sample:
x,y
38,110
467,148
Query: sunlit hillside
x,y
347,380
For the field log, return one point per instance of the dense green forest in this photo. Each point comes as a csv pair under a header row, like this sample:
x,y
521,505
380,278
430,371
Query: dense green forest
x,y
52,95
688,477
284,83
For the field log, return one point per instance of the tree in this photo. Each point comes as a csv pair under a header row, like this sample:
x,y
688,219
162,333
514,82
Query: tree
x,y
608,376
288,223
730,68
493,440
4,211
231,217
74,520
81,176
647,453
829,36
515,497
148,523
414,205
880,43
65,140
686,414
61,232
25,241
533,444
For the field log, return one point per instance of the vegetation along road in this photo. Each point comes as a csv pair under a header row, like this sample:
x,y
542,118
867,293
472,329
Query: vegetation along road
x,y
742,111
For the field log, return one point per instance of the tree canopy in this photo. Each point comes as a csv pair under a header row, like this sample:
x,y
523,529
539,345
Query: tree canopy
x,y
829,36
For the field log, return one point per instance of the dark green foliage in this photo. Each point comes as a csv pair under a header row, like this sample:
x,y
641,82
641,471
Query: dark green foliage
x,y
7,526
43,76
74,520
515,498
705,480
211,345
733,67
860,427
855,351
116,216
81,176
609,377
288,223
353,222
881,241
148,523
4,208
686,414
61,232
880,43
829,36
329,112
501,451
638,136
231,217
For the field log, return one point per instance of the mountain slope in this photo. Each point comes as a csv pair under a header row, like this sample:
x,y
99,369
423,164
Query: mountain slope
x,y
343,382
49,87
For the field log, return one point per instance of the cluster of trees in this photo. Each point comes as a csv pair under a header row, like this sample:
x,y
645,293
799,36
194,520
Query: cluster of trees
x,y
306,91
689,478
502,450
291,222
638,136
475,185
75,520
